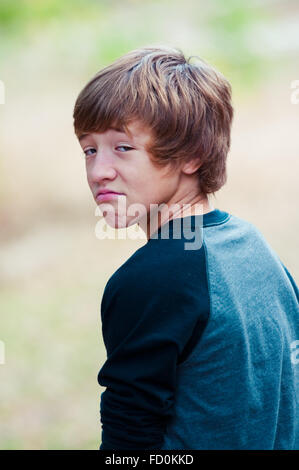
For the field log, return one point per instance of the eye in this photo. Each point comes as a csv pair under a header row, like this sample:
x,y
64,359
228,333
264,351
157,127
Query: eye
x,y
86,154
125,148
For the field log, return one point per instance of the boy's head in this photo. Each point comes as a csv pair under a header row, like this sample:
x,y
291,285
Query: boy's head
x,y
186,108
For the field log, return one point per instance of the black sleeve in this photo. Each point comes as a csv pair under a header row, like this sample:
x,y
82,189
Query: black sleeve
x,y
146,324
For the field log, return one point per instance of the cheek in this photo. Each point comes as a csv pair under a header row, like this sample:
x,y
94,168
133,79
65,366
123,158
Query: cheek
x,y
149,186
140,186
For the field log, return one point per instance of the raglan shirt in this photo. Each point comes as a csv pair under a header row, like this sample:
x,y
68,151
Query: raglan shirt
x,y
173,377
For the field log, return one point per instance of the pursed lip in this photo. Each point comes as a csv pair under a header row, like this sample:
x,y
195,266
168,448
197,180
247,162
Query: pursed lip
x,y
105,191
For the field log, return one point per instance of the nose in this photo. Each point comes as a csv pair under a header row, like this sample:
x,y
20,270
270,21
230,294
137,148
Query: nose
x,y
101,167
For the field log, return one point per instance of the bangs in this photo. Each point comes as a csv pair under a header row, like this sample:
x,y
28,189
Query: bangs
x,y
137,86
107,101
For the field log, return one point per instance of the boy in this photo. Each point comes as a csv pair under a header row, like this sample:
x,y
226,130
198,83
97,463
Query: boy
x,y
199,338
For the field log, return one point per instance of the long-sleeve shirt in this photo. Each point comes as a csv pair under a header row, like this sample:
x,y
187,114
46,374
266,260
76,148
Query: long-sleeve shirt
x,y
200,342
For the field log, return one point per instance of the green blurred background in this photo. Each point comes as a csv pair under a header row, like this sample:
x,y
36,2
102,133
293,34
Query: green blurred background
x,y
53,268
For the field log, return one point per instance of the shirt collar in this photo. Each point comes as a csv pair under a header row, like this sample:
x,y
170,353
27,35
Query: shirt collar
x,y
214,217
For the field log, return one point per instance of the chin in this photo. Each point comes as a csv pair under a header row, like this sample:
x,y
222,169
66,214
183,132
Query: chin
x,y
116,221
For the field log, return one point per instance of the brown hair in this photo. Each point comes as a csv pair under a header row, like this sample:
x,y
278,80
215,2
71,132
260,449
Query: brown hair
x,y
186,106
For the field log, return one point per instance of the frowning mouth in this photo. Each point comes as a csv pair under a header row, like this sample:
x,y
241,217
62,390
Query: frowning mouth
x,y
106,195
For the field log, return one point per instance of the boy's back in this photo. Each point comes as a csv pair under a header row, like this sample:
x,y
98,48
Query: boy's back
x,y
199,344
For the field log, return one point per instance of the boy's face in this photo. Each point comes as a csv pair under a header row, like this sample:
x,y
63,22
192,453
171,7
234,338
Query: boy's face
x,y
120,163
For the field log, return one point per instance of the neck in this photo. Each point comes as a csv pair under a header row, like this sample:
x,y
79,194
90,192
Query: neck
x,y
158,218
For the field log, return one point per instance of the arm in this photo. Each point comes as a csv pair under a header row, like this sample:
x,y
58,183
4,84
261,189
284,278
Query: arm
x,y
146,327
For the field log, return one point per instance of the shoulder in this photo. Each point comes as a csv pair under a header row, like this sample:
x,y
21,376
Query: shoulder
x,y
166,294
158,274
164,263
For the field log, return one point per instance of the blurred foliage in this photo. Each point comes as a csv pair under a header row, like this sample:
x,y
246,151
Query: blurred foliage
x,y
22,13
231,24
54,272
227,24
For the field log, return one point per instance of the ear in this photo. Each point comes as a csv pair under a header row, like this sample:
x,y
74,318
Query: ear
x,y
191,167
